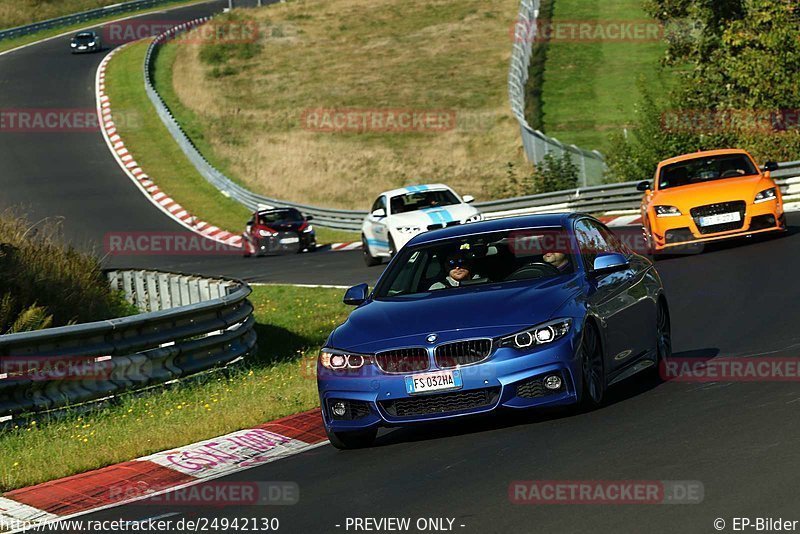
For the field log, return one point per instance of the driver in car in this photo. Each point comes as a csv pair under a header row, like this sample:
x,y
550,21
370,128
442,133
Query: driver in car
x,y
559,260
460,270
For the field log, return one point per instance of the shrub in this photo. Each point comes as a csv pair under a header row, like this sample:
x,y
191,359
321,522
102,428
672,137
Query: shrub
x,y
555,173
44,283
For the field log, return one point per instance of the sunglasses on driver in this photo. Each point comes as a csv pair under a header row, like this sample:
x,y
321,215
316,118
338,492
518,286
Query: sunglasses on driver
x,y
458,262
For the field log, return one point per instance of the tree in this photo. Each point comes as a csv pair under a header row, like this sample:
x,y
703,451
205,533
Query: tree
x,y
555,173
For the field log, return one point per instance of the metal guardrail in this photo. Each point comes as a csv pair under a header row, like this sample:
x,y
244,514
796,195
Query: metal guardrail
x,y
591,164
84,16
191,324
594,199
612,197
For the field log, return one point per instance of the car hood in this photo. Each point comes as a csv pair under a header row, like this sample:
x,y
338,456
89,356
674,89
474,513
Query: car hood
x,y
724,190
429,216
488,310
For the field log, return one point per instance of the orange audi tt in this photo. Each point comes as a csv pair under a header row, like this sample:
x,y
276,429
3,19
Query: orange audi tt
x,y
707,196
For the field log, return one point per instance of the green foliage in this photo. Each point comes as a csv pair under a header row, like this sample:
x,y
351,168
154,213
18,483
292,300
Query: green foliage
x,y
32,318
534,106
514,184
556,173
44,283
737,64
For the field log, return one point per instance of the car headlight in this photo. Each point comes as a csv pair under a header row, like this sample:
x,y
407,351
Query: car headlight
x,y
409,229
475,218
264,233
308,229
766,195
667,211
73,45
336,360
542,334
92,43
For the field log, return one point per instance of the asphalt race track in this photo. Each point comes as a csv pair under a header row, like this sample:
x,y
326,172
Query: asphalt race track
x,y
739,439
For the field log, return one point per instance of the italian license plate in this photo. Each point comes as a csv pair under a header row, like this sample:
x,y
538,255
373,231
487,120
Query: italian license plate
x,y
722,218
289,240
438,381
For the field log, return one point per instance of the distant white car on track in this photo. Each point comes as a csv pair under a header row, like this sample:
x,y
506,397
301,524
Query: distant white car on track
x,y
398,215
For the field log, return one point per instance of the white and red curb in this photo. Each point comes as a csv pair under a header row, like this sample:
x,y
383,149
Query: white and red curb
x,y
144,182
163,472
621,220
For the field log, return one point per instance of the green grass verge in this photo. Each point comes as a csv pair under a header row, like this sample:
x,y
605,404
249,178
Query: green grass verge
x,y
292,325
159,155
590,88
9,44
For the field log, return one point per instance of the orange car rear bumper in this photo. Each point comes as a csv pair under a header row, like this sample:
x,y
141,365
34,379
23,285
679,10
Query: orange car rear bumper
x,y
678,231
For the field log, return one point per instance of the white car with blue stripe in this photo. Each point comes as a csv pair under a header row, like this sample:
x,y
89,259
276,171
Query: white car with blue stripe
x,y
398,215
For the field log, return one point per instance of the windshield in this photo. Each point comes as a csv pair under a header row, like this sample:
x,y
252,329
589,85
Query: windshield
x,y
422,199
84,37
280,216
507,256
699,170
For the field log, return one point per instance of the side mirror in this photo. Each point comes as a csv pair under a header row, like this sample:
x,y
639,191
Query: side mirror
x,y
643,186
468,199
379,213
609,263
770,166
309,217
356,295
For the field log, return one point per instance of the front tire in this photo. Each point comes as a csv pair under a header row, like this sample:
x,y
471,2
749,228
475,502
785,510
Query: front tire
x,y
357,439
593,376
369,259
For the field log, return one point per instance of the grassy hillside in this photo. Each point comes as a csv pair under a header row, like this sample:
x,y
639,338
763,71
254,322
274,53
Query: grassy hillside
x,y
245,103
590,88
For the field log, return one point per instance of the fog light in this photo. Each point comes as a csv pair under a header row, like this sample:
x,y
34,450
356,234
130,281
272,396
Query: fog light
x,y
552,382
339,409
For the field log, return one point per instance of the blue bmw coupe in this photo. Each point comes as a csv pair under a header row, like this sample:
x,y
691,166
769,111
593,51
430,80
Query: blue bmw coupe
x,y
522,312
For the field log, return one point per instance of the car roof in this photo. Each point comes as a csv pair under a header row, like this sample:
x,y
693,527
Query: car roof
x,y
703,154
414,189
86,34
540,220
